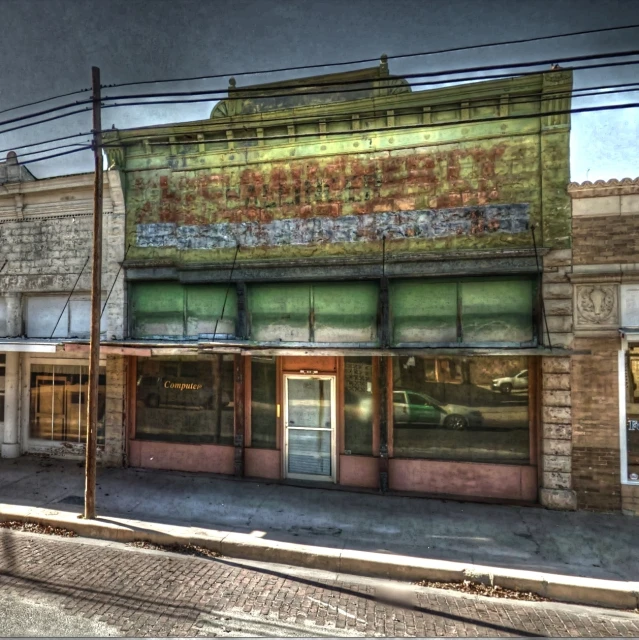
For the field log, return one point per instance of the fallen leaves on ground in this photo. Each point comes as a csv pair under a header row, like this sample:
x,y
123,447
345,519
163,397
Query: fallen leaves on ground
x,y
185,549
32,527
480,589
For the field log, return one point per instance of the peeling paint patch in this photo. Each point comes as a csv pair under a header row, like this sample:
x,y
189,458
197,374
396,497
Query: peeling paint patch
x,y
395,225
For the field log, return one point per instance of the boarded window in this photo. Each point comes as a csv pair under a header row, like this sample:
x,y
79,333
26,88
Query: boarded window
x,y
423,311
59,317
329,312
465,312
170,309
497,311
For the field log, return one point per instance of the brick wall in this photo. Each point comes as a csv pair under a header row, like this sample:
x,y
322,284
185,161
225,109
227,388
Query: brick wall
x,y
46,239
595,425
605,239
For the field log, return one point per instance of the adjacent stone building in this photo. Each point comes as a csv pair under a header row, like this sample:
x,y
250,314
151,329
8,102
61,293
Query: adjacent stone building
x,y
45,276
605,396
339,279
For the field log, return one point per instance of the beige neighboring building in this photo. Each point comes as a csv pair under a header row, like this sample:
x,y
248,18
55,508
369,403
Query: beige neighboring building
x,y
605,383
45,280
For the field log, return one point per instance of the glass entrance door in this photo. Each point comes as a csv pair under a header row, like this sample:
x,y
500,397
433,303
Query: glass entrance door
x,y
309,427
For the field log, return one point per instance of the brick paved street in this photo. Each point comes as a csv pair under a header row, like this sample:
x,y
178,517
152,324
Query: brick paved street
x,y
59,586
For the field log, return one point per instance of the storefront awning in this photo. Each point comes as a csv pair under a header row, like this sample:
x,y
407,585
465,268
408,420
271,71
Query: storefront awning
x,y
192,347
30,346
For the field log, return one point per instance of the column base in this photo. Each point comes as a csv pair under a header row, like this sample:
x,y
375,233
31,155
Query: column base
x,y
10,450
560,499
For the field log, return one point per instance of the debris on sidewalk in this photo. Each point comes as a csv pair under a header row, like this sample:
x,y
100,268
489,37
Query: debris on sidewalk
x,y
185,549
480,589
32,527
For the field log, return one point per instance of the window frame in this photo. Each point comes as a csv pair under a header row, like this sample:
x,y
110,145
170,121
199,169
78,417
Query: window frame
x,y
37,445
623,397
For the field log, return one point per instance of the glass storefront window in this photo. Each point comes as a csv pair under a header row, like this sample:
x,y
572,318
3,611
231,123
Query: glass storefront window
x,y
263,402
188,400
632,413
359,407
59,395
463,409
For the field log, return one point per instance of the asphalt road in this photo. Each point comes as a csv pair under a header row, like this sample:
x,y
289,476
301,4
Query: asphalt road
x,y
75,587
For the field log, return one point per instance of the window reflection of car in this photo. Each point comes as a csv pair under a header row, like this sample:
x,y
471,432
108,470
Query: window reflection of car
x,y
418,409
153,393
508,384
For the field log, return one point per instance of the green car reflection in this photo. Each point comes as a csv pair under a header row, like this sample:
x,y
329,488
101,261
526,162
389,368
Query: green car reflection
x,y
414,409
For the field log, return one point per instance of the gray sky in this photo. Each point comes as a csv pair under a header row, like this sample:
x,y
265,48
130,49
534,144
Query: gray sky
x,y
49,46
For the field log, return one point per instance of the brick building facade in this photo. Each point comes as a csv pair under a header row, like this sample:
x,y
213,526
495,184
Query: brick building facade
x,y
364,254
45,279
605,278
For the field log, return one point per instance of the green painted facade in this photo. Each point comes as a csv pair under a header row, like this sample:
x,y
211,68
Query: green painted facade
x,y
305,180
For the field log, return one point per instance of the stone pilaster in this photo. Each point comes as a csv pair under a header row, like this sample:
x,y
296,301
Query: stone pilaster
x,y
556,442
115,412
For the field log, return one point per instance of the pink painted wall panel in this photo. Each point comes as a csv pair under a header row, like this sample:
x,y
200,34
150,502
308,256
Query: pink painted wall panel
x,y
209,458
263,463
359,471
464,479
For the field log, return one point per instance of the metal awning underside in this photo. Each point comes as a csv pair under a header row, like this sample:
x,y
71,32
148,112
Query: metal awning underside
x,y
193,347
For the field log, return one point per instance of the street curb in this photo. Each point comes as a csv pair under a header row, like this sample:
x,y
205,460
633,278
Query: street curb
x,y
589,591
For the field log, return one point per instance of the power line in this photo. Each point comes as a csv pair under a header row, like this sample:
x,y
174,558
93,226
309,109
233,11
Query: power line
x,y
262,120
332,64
57,155
33,124
376,60
31,104
335,116
633,86
62,146
341,83
44,112
518,116
37,144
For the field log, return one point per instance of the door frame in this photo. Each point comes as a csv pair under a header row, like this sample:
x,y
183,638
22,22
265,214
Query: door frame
x,y
332,377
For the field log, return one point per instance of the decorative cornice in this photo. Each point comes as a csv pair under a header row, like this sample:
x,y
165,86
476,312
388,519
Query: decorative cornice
x,y
599,188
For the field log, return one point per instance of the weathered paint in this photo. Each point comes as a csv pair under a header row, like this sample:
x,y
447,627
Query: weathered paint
x,y
472,311
317,312
368,227
464,479
160,309
281,195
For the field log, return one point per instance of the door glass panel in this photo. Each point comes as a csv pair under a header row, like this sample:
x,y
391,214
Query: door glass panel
x,y
309,403
309,451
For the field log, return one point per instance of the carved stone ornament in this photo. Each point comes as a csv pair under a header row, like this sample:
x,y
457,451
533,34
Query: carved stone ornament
x,y
597,305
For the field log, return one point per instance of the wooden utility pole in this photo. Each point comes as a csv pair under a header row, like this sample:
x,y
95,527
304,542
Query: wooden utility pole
x,y
94,357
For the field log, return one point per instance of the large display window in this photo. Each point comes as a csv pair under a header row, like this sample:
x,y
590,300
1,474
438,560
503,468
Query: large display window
x,y
185,399
461,409
58,399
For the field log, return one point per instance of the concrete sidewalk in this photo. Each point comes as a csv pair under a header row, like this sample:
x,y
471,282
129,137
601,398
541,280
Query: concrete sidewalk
x,y
400,537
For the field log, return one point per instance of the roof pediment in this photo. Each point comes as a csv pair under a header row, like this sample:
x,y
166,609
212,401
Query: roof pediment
x,y
347,86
